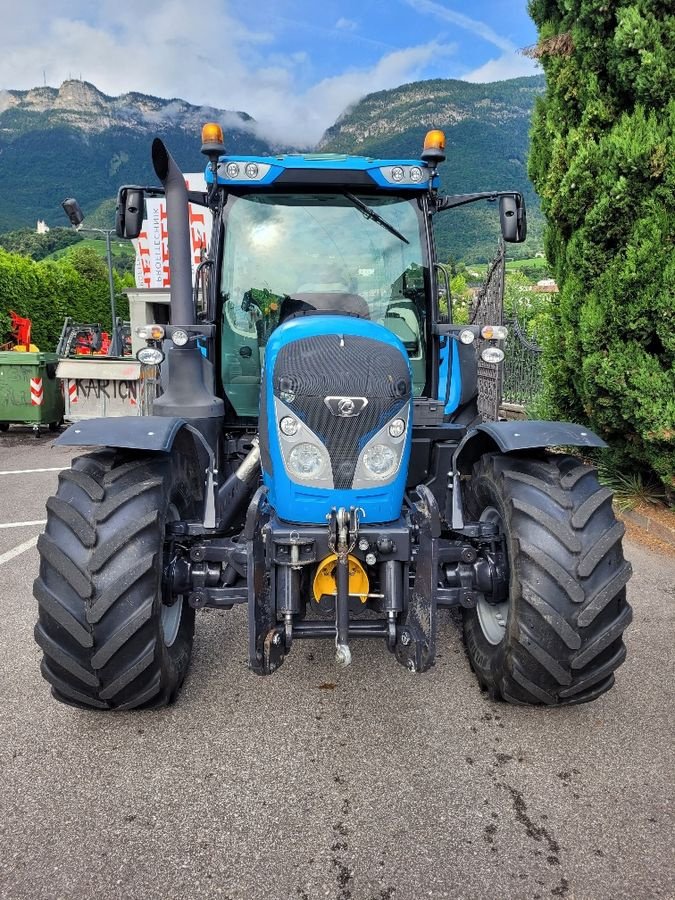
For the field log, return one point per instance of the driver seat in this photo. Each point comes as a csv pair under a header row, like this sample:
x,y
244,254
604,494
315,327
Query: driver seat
x,y
324,301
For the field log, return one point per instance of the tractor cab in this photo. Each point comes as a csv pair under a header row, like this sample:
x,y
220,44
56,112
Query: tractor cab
x,y
321,234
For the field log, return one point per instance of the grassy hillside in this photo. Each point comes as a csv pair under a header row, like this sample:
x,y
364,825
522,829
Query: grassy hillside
x,y
87,166
487,132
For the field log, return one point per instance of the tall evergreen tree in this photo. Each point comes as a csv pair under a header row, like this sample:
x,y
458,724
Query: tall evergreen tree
x,y
603,162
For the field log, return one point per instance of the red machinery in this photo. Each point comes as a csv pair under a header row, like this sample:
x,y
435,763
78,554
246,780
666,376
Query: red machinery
x,y
20,339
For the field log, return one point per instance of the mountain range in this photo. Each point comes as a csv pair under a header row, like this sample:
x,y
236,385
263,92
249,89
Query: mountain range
x,y
76,141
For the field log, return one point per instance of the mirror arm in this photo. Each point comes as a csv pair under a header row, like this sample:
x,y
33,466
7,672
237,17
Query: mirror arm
x,y
198,197
148,190
451,201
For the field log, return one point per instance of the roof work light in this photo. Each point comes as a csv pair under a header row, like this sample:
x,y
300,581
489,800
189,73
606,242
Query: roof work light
x,y
213,142
434,147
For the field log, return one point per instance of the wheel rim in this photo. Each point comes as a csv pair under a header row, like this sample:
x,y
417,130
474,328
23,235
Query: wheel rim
x,y
171,615
492,616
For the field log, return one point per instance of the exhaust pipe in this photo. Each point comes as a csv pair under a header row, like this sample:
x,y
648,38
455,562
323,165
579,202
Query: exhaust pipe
x,y
180,262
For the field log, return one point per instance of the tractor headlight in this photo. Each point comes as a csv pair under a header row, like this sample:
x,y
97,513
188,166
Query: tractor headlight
x,y
150,356
288,426
381,457
494,332
380,461
397,428
492,355
180,337
306,460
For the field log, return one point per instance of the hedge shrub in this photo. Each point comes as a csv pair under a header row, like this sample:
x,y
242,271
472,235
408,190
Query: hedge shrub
x,y
46,292
603,161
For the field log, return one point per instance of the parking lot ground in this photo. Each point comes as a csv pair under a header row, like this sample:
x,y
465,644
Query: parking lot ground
x,y
360,784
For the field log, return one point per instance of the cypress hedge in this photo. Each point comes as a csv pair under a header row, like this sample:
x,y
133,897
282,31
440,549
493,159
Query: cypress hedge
x,y
603,161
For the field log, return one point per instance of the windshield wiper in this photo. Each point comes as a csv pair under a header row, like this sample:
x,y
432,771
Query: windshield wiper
x,y
375,217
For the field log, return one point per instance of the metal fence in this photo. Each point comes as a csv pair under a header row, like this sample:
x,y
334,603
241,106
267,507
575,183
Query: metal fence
x,y
518,379
488,309
522,366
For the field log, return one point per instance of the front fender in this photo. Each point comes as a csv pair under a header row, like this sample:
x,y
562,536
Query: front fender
x,y
510,437
130,432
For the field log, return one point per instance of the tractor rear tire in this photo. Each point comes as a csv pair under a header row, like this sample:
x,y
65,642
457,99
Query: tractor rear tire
x,y
557,640
110,635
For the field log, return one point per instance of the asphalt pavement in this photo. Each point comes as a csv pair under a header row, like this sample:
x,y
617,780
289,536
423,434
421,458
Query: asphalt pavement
x,y
363,784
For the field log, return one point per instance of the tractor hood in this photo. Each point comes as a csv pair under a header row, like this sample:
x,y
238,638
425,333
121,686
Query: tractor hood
x,y
335,419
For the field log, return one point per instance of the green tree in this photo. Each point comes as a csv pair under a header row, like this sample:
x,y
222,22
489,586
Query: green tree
x,y
603,162
28,243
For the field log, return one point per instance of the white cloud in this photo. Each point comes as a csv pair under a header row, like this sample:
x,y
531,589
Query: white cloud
x,y
309,113
475,26
165,51
510,65
346,24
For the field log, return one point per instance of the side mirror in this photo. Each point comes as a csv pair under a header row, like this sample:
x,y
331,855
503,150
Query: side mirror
x,y
130,212
513,218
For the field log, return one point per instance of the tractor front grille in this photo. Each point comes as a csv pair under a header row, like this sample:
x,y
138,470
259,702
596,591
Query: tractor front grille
x,y
331,365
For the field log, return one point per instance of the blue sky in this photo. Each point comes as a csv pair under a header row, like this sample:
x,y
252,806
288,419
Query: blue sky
x,y
292,64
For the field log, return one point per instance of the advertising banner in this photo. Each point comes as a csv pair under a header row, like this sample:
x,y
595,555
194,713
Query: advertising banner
x,y
152,246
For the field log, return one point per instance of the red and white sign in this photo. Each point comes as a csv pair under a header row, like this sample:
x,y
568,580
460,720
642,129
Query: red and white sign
x,y
72,391
152,245
36,392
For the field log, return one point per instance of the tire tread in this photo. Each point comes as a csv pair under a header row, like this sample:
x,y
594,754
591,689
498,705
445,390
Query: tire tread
x,y
563,638
98,590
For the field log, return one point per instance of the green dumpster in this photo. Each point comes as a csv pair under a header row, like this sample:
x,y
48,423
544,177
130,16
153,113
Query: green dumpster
x,y
30,393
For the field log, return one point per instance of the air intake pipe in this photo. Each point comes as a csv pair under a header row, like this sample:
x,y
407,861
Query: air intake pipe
x,y
180,262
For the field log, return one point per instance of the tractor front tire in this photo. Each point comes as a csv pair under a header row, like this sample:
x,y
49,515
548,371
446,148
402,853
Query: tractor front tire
x,y
557,639
110,635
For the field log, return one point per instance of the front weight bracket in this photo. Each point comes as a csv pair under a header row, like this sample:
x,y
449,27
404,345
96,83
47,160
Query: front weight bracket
x,y
265,639
416,641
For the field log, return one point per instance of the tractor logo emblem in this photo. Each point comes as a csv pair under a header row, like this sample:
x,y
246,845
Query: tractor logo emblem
x,y
346,407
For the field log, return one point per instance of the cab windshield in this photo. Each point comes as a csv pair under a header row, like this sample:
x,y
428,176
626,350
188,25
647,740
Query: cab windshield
x,y
285,255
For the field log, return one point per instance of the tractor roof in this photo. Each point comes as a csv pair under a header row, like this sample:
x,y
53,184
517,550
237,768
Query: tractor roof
x,y
323,170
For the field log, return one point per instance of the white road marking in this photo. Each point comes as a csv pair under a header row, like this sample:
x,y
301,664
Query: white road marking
x,y
31,471
22,524
5,557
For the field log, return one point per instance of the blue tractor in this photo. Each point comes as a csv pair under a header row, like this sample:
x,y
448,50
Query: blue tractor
x,y
317,455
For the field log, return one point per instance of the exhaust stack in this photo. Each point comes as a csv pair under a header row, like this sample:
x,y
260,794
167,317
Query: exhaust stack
x,y
180,263
187,377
